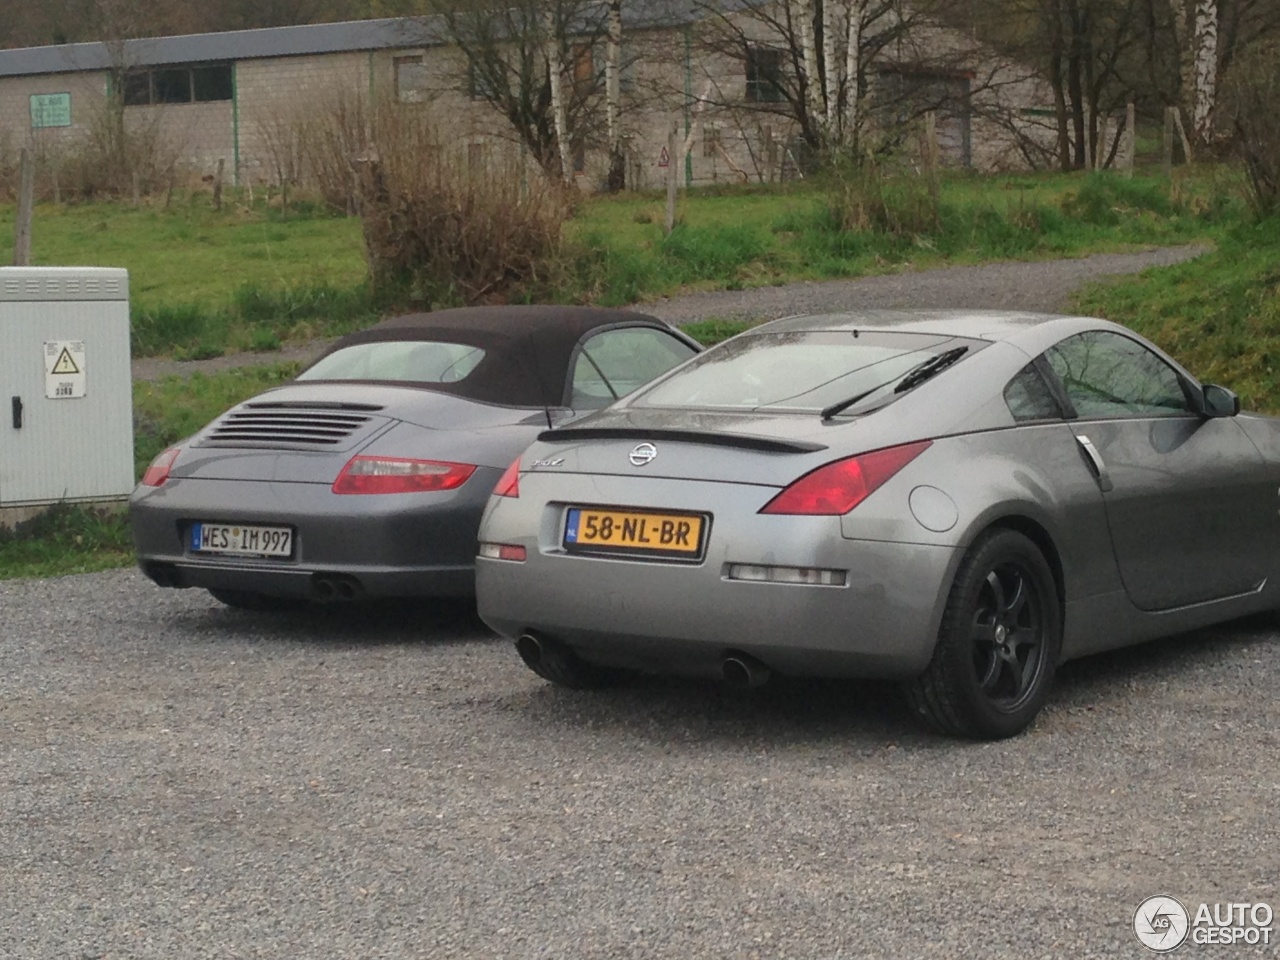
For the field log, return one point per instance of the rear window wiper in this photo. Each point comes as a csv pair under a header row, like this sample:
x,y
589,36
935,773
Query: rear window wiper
x,y
912,378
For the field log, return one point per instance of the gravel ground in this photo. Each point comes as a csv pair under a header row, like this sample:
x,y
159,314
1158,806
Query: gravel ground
x,y
1015,285
181,780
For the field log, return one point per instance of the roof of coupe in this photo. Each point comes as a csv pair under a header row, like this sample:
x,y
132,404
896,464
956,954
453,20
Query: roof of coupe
x,y
526,348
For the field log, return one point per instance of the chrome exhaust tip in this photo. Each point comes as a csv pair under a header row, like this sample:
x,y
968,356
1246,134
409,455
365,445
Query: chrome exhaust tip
x,y
744,672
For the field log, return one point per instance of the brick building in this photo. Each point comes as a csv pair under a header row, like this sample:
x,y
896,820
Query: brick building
x,y
231,97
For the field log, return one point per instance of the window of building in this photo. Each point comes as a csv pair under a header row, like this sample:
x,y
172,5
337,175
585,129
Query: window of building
x,y
411,79
137,88
764,75
197,84
480,85
213,82
582,67
710,140
171,85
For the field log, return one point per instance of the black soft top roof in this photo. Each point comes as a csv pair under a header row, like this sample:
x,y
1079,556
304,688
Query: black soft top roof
x,y
528,349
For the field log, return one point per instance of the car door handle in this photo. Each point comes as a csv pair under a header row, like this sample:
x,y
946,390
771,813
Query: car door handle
x,y
1096,464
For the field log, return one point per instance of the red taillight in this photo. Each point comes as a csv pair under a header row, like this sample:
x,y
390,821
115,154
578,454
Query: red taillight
x,y
836,488
400,475
509,482
158,472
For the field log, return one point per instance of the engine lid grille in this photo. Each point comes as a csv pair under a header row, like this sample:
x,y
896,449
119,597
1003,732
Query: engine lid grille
x,y
292,425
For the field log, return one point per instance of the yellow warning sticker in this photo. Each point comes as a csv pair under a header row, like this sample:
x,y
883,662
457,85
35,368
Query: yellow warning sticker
x,y
64,364
64,377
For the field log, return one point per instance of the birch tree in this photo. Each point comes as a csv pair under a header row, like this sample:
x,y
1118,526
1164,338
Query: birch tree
x,y
555,77
1206,69
613,97
520,57
828,49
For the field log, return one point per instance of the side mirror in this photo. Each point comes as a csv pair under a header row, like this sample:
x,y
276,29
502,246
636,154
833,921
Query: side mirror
x,y
1219,401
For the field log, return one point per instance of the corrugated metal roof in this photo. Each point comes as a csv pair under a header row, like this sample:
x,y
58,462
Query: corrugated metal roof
x,y
315,38
233,45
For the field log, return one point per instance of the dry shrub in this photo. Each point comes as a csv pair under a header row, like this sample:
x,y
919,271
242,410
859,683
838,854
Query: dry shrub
x,y
122,154
443,228
332,137
1252,98
864,195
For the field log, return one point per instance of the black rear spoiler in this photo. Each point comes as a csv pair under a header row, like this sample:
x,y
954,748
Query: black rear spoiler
x,y
741,441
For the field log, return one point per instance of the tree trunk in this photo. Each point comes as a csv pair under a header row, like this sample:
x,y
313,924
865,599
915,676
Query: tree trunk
x,y
1057,52
613,98
1206,70
802,10
853,72
830,69
26,204
555,69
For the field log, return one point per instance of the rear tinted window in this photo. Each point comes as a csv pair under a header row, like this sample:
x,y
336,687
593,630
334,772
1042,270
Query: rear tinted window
x,y
801,372
411,361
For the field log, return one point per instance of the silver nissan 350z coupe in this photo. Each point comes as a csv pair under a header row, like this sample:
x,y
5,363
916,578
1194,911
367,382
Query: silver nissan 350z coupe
x,y
960,500
367,475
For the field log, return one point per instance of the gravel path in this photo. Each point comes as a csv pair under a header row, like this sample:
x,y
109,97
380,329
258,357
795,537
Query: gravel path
x,y
1040,285
178,780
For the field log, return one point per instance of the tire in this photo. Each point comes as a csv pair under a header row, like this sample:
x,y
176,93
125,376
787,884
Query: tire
x,y
555,662
260,602
998,643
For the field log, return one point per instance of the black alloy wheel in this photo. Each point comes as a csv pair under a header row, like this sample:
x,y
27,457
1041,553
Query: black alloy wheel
x,y
998,643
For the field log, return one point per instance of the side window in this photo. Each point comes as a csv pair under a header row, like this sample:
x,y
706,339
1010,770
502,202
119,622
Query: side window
x,y
1029,398
613,363
1109,375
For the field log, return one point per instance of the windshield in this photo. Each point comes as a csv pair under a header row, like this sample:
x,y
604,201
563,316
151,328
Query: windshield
x,y
802,372
405,361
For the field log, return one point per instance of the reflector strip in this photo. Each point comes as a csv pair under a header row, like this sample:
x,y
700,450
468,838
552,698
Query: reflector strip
x,y
802,576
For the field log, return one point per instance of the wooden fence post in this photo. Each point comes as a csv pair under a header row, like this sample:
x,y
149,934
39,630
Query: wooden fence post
x,y
217,185
26,206
671,178
1130,137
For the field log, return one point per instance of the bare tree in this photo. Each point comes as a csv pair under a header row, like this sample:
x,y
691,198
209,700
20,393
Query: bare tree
x,y
532,61
838,69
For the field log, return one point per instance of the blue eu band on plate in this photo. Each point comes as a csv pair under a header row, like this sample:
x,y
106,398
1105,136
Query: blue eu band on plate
x,y
241,540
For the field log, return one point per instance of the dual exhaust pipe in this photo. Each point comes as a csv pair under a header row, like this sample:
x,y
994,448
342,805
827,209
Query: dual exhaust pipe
x,y
335,587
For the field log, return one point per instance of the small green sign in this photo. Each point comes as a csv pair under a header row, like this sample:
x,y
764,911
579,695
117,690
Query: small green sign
x,y
50,110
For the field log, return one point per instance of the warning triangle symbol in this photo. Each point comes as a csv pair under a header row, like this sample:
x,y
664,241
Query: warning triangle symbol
x,y
64,364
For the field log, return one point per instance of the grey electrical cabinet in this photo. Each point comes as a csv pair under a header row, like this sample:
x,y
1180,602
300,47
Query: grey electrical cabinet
x,y
66,401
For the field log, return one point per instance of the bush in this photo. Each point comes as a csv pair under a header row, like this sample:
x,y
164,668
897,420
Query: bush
x,y
446,227
865,196
1252,100
1104,199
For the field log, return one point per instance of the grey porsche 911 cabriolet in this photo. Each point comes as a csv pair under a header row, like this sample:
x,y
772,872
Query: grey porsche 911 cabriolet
x,y
367,475
959,500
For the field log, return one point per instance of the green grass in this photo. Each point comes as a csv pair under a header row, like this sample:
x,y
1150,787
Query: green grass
x,y
209,281
753,237
206,282
66,539
1219,315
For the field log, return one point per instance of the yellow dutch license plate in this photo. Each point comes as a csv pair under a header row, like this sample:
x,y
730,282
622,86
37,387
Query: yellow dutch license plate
x,y
635,533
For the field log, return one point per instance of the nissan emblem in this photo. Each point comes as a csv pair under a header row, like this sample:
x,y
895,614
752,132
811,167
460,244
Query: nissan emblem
x,y
642,453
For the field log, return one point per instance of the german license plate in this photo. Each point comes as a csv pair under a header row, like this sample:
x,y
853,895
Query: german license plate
x,y
635,532
243,540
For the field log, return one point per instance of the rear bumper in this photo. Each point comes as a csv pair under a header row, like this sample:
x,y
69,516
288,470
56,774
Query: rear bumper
x,y
682,619
393,545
